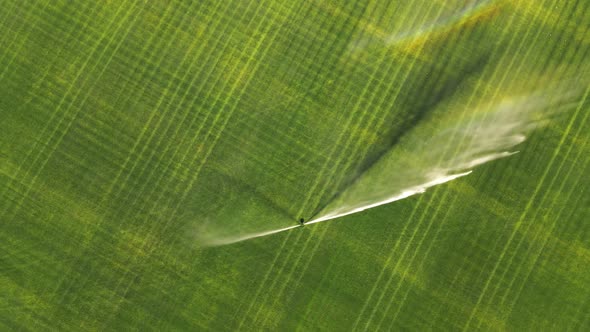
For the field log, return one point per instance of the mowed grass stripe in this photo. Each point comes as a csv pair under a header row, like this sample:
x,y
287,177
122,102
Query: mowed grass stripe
x,y
217,118
155,42
394,271
363,154
333,152
286,240
524,214
529,227
553,207
150,247
505,54
281,267
542,202
421,198
145,64
34,145
125,276
424,256
519,67
163,137
464,113
360,103
58,134
12,184
293,286
198,77
444,201
319,239
303,252
159,44
130,24
23,40
15,16
295,244
256,49
377,123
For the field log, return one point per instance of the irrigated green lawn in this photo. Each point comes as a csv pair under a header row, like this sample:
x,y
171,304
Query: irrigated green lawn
x,y
134,134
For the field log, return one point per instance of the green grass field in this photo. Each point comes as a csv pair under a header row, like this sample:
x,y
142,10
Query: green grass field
x,y
132,132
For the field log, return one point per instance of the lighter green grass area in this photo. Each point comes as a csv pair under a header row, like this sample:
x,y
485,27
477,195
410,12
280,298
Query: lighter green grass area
x,y
132,130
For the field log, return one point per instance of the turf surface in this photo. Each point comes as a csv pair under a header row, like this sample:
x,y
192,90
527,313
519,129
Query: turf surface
x,y
131,128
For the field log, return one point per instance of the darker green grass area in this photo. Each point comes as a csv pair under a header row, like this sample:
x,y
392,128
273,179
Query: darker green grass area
x,y
131,132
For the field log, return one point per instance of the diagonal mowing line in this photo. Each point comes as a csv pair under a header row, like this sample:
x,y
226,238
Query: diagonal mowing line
x,y
386,264
272,266
332,154
269,290
196,77
554,203
167,12
384,104
23,41
278,294
426,254
296,283
155,187
472,95
167,109
314,250
116,180
511,64
164,114
225,102
390,257
524,213
154,228
322,285
297,240
510,260
449,288
6,15
67,110
335,153
131,24
528,273
148,43
397,266
190,185
264,280
464,113
29,155
304,251
257,49
542,203
117,305
11,13
527,227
